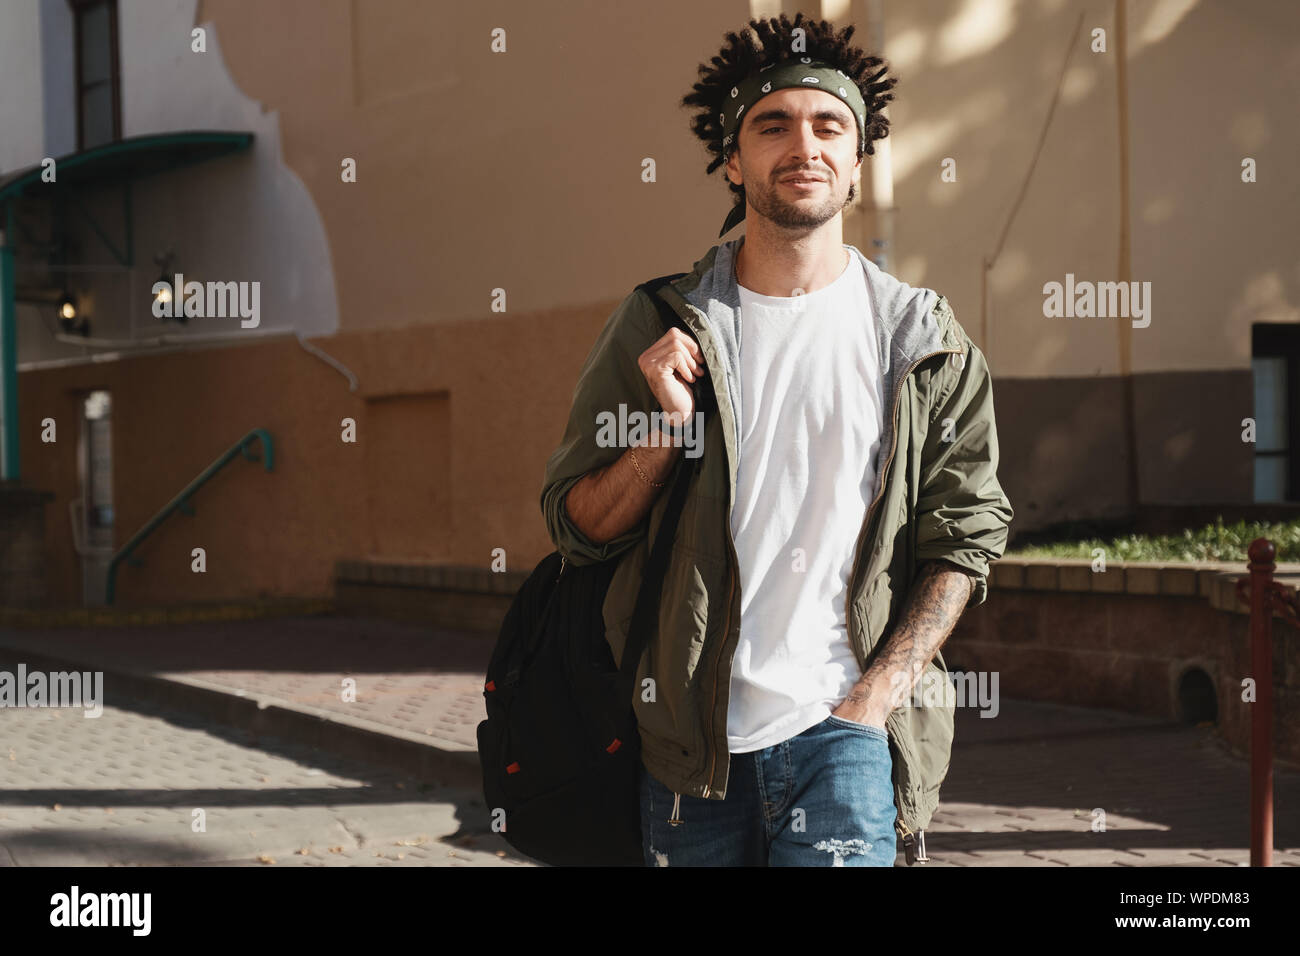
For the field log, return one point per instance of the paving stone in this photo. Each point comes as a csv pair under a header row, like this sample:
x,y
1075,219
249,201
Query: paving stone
x,y
1022,788
258,804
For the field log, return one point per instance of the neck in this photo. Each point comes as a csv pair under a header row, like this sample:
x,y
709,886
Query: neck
x,y
775,261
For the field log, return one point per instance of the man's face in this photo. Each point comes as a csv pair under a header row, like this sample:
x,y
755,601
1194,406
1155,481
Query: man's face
x,y
793,134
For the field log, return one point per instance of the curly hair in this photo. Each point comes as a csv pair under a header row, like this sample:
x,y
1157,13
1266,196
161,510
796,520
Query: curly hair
x,y
742,54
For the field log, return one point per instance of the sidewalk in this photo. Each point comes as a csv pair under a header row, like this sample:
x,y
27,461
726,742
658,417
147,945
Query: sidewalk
x,y
1023,788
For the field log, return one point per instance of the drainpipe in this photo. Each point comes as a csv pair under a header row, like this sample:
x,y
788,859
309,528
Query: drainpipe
x,y
1133,491
877,186
8,350
882,164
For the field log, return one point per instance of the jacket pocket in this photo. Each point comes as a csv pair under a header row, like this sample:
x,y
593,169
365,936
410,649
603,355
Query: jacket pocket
x,y
681,658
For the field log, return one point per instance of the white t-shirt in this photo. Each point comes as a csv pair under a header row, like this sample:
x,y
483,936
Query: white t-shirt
x,y
812,414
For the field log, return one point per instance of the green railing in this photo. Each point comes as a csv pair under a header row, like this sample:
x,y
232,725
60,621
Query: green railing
x,y
182,501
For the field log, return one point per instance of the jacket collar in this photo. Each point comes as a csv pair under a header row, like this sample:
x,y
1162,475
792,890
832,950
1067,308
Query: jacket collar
x,y
908,326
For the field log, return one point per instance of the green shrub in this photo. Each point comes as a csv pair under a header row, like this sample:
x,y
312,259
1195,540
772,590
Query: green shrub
x,y
1215,542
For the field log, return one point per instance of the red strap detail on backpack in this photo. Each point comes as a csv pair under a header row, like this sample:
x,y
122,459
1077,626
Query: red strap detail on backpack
x,y
513,768
490,685
614,746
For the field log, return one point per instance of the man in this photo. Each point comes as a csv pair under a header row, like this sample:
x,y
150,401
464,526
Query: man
x,y
845,509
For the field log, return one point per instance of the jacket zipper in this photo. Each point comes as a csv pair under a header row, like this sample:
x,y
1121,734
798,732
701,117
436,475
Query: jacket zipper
x,y
726,636
717,666
913,844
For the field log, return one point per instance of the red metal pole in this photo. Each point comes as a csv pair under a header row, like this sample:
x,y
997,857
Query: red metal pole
x,y
1262,566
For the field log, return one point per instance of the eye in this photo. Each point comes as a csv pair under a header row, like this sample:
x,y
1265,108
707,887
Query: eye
x,y
773,129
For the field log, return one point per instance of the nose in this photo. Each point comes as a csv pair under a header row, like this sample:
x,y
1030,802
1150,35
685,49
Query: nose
x,y
805,147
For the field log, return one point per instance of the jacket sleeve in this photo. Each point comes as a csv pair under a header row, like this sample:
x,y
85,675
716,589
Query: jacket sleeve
x,y
962,514
609,377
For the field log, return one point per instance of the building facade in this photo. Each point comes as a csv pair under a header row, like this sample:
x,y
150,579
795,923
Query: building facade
x,y
434,207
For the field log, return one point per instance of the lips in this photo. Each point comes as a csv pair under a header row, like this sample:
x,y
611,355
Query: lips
x,y
804,180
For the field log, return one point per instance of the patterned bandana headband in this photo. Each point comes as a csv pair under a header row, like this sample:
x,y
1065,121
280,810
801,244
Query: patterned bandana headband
x,y
805,73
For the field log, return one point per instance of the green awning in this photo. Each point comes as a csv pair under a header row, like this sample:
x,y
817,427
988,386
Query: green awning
x,y
130,158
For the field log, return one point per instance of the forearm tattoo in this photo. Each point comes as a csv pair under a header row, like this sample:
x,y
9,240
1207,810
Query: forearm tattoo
x,y
934,603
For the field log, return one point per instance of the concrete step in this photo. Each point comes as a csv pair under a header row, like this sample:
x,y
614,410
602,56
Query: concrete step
x,y
448,596
160,615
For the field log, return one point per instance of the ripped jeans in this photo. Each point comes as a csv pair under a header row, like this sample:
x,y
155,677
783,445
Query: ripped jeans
x,y
822,798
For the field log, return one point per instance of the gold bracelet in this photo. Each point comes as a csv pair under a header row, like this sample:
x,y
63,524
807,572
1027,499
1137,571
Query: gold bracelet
x,y
632,454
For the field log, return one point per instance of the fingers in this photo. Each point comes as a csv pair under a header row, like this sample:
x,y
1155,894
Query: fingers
x,y
692,347
684,365
684,351
676,351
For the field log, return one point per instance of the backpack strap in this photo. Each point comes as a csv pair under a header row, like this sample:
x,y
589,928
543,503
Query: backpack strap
x,y
646,612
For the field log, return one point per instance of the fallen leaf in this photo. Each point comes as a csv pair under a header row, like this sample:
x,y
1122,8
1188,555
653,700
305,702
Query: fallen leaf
x,y
266,858
400,855
305,851
501,853
265,779
58,806
11,754
336,849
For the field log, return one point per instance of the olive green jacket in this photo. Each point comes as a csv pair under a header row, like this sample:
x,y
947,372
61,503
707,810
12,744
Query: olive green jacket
x,y
939,499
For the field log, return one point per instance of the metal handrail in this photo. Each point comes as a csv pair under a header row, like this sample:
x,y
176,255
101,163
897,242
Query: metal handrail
x,y
182,501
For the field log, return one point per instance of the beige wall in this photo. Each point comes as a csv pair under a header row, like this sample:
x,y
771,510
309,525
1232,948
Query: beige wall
x,y
1220,85
977,89
1209,83
481,170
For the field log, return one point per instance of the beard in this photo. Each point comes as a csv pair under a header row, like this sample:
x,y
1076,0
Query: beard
x,y
807,213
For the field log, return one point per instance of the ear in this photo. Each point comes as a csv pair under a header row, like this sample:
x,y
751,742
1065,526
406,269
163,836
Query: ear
x,y
732,169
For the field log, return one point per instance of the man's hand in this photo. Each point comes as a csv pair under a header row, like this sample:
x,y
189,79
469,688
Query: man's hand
x,y
864,705
609,501
668,365
934,603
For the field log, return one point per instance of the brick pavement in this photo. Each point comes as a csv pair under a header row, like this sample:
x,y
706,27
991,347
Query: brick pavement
x,y
122,789
1022,788
410,680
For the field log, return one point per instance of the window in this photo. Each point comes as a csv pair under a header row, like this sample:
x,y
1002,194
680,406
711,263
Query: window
x,y
1275,363
98,89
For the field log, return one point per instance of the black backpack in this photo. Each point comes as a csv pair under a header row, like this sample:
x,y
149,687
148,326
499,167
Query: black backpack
x,y
560,751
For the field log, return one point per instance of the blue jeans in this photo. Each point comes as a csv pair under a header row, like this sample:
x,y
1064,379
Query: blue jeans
x,y
822,798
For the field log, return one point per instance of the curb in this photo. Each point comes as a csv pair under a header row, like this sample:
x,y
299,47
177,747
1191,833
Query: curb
x,y
336,735
38,618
